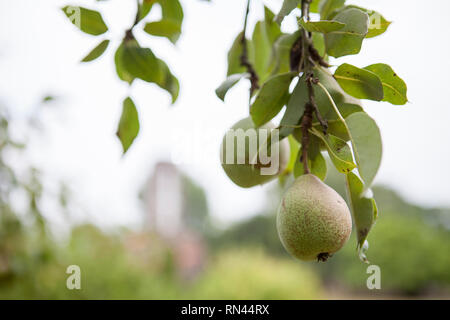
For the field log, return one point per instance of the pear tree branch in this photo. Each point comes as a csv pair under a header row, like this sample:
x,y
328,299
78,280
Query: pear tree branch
x,y
309,56
244,56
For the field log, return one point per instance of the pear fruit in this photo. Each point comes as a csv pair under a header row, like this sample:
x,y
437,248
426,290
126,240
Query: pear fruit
x,y
313,220
241,170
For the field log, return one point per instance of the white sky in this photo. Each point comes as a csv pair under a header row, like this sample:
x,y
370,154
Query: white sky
x,y
39,54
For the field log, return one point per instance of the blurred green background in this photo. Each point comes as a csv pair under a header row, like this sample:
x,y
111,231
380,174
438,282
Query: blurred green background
x,y
194,257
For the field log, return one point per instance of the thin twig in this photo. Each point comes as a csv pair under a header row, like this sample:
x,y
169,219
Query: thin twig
x,y
244,56
129,32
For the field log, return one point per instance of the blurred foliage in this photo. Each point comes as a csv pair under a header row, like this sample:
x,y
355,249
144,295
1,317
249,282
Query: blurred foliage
x,y
14,248
413,257
110,271
251,274
411,244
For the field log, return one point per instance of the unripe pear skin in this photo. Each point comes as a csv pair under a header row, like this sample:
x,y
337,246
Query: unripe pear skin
x,y
313,220
247,175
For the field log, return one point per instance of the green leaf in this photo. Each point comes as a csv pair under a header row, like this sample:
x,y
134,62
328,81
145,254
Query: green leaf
x,y
336,127
360,83
367,146
314,6
271,98
97,51
294,147
263,39
141,63
338,150
349,39
280,61
128,128
323,26
316,162
272,28
364,210
326,7
377,23
295,108
122,73
343,100
172,10
48,98
133,61
234,56
164,28
394,87
319,43
168,82
286,9
145,7
88,21
229,82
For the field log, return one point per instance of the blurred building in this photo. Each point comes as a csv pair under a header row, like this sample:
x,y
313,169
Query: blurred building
x,y
164,201
176,210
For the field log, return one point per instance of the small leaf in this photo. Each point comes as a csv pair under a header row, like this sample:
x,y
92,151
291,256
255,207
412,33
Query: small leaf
x,y
145,8
323,26
294,147
172,10
319,43
314,6
229,82
316,162
327,7
48,98
295,108
377,23
286,9
168,82
349,39
393,86
88,21
367,146
359,83
121,71
133,61
271,98
97,51
164,28
128,128
364,211
141,63
264,36
338,150
234,56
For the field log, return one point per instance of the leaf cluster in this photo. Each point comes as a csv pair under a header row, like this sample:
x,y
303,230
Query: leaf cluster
x,y
132,61
351,138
